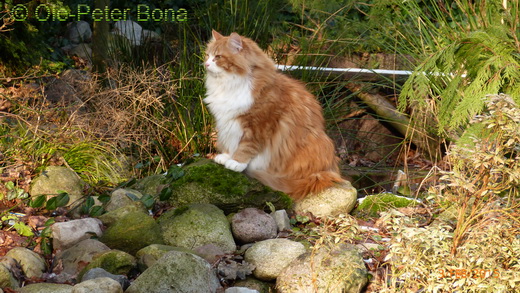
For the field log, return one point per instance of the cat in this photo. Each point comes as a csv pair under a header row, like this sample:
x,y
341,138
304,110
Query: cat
x,y
267,123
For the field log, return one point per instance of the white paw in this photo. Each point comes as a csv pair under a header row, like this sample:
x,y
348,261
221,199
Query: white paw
x,y
235,166
222,158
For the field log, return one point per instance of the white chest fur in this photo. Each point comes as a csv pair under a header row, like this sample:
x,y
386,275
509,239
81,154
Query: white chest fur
x,y
227,97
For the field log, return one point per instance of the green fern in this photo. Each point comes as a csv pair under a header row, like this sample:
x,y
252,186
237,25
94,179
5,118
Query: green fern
x,y
473,50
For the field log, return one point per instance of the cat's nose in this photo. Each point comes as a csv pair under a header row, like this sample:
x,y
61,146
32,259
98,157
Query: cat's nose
x,y
206,64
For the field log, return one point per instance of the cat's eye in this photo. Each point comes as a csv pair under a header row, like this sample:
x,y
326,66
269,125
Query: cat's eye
x,y
217,57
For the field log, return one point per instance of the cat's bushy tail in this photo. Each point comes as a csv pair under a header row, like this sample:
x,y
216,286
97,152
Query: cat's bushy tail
x,y
301,187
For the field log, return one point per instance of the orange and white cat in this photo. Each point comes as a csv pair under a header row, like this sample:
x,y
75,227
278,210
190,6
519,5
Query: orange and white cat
x,y
267,123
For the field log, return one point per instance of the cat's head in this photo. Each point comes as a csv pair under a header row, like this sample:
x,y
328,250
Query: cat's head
x,y
233,54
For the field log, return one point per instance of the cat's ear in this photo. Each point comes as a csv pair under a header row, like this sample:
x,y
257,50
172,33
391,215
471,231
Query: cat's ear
x,y
216,35
235,42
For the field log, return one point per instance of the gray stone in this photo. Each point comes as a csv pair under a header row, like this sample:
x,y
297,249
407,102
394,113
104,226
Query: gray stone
x,y
98,285
209,252
80,253
147,256
96,273
148,36
255,284
33,265
340,199
55,179
46,288
7,266
328,269
115,216
152,185
122,197
177,271
132,232
197,225
282,220
66,234
251,225
114,261
83,51
271,256
130,29
78,32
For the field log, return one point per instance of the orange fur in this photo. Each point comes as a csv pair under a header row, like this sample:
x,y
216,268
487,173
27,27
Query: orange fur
x,y
282,136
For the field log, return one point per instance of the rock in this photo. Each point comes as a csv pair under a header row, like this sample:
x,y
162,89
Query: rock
x,y
251,225
240,290
55,179
148,36
152,185
7,280
122,197
33,265
210,252
66,234
282,220
207,182
72,259
255,284
132,232
197,225
46,288
83,51
337,269
372,205
147,256
100,285
78,32
101,273
113,261
333,201
176,271
114,216
130,29
271,256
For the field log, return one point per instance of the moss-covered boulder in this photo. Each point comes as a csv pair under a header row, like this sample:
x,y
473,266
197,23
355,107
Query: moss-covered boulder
x,y
147,256
151,185
56,179
335,269
114,261
197,225
132,232
207,182
177,271
372,205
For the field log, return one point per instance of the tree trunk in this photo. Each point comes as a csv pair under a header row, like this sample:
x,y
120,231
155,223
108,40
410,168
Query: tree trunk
x,y
100,39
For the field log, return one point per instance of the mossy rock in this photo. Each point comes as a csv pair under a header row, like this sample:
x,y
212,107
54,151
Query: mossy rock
x,y
132,232
372,205
114,261
197,225
151,185
207,182
149,255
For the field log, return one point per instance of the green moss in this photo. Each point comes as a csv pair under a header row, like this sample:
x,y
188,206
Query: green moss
x,y
213,176
373,204
207,182
113,261
132,232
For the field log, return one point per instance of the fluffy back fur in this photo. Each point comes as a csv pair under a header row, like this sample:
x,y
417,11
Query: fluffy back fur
x,y
267,123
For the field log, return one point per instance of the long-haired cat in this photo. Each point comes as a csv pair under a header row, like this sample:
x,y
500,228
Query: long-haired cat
x,y
267,123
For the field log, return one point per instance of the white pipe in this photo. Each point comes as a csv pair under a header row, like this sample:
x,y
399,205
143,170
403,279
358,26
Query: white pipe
x,y
356,70
344,70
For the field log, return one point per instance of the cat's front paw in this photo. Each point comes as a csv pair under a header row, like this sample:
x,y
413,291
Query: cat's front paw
x,y
222,158
235,166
